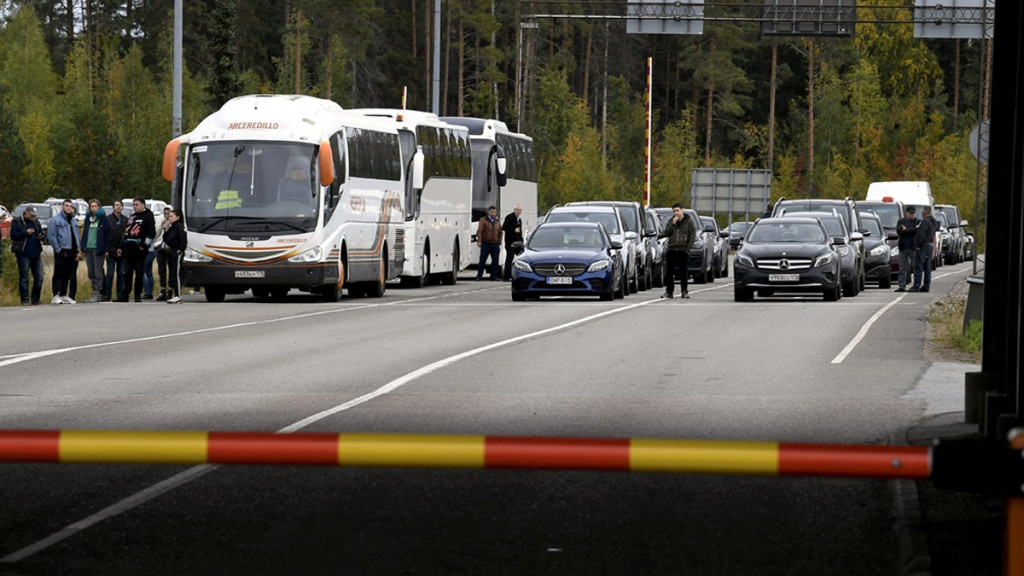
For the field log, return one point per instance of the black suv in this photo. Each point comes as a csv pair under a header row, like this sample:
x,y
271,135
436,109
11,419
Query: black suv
x,y
846,208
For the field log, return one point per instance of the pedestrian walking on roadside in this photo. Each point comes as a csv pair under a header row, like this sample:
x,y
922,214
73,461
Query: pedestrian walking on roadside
x,y
114,286
924,242
27,245
906,229
488,238
138,236
681,231
94,240
63,237
175,243
512,229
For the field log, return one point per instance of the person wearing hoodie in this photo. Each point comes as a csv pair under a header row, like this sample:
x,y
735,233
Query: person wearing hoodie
x,y
62,235
138,236
93,244
114,286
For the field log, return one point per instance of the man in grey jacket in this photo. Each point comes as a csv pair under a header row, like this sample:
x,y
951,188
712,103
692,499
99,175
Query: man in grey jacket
x,y
681,231
924,242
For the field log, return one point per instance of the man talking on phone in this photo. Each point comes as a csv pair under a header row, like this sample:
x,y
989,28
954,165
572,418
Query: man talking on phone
x,y
681,231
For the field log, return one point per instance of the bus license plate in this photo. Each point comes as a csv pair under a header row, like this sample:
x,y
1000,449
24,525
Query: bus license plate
x,y
560,280
250,274
783,277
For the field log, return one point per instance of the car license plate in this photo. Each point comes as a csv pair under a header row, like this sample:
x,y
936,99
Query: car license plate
x,y
250,274
783,277
560,280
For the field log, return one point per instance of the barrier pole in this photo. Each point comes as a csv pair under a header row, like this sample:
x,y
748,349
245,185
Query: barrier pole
x,y
1015,518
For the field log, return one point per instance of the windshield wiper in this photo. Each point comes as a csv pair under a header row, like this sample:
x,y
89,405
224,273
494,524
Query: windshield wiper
x,y
214,220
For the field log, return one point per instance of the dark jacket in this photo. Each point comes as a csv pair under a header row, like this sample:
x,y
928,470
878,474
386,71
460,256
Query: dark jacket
x,y
512,221
140,231
102,231
926,231
117,226
681,235
906,228
19,231
176,238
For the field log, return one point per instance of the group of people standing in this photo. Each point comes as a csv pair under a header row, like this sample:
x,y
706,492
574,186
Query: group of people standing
x,y
917,244
489,236
118,251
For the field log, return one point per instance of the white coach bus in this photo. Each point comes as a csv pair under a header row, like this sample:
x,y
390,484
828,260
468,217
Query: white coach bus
x,y
287,191
506,186
438,219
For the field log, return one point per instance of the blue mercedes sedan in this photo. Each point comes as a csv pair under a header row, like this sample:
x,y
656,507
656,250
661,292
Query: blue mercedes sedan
x,y
568,259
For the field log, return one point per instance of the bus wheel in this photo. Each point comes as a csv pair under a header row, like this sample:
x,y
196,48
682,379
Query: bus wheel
x,y
278,294
421,280
450,278
260,292
214,294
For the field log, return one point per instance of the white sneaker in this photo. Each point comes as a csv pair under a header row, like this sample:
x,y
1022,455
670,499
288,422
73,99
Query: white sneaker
x,y
67,300
57,300
174,300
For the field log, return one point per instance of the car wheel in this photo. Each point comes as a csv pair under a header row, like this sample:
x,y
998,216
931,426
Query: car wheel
x,y
885,282
634,282
620,291
832,294
849,289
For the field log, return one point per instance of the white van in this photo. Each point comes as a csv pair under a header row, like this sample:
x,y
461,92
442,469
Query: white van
x,y
908,192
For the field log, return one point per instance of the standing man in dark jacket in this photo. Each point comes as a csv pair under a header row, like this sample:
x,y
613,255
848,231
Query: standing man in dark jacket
x,y
924,242
28,248
115,261
488,238
681,231
906,228
138,235
175,242
513,232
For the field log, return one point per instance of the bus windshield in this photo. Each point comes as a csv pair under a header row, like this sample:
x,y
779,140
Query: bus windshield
x,y
252,187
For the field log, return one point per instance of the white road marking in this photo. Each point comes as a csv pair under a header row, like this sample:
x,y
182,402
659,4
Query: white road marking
x,y
864,330
194,472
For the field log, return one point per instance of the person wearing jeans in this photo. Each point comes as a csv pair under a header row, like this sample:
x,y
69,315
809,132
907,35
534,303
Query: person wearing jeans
x,y
681,231
94,240
25,233
61,232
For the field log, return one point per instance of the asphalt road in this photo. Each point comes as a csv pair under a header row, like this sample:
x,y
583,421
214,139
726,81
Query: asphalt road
x,y
461,359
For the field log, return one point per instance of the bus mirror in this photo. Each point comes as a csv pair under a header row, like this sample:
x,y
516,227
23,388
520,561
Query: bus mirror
x,y
501,163
417,168
326,160
171,158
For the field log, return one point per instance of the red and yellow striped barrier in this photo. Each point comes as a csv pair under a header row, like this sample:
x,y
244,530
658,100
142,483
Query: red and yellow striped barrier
x,y
634,455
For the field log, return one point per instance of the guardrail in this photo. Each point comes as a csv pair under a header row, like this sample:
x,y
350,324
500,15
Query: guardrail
x,y
979,466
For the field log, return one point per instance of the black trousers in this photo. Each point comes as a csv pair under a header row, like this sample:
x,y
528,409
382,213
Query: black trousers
x,y
677,265
135,264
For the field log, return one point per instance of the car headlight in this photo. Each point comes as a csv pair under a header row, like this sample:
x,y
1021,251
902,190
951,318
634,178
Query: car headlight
x,y
192,255
522,266
599,265
314,255
744,260
824,259
879,250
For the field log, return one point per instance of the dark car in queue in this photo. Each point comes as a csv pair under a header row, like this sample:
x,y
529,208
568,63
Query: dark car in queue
x,y
736,232
849,264
653,226
702,256
787,254
877,244
634,217
889,212
847,208
568,259
720,243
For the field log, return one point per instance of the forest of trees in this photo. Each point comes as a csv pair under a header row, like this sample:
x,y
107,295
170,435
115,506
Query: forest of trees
x,y
85,92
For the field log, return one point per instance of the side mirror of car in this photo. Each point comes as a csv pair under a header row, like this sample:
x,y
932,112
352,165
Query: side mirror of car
x,y
839,241
517,246
892,236
735,242
856,237
616,245
630,235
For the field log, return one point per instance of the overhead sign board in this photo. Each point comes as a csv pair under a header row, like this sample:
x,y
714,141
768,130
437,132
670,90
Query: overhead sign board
x,y
678,17
728,191
808,17
954,18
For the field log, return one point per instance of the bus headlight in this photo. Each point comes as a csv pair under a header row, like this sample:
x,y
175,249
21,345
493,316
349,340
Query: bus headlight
x,y
314,255
196,256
